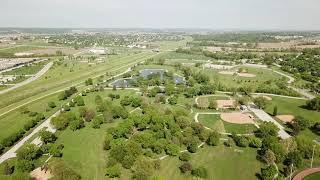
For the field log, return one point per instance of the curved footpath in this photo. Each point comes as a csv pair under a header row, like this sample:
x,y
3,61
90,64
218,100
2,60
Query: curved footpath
x,y
305,173
35,77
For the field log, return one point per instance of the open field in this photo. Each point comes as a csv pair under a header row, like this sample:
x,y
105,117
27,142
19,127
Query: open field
x,y
60,77
5,52
221,162
261,75
314,176
26,70
205,100
215,122
292,107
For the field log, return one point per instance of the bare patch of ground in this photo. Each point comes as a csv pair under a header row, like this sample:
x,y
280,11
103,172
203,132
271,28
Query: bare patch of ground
x,y
237,118
227,72
286,118
222,104
246,75
39,174
267,98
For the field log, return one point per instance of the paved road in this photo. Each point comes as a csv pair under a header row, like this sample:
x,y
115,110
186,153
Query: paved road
x,y
12,152
267,118
35,77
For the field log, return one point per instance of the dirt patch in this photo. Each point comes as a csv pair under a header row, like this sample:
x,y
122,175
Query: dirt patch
x,y
246,75
237,118
223,104
227,72
286,118
39,174
267,98
203,102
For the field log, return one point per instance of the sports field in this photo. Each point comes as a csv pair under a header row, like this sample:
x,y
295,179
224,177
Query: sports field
x,y
215,122
221,163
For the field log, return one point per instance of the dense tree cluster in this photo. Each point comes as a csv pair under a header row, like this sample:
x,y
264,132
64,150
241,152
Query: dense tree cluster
x,y
156,131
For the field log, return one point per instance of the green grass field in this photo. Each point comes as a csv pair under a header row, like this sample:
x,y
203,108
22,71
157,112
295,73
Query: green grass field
x,y
83,151
214,121
221,163
62,77
5,52
26,70
205,100
262,75
292,107
315,176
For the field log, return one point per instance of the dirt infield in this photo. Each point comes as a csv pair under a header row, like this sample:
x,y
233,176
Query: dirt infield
x,y
286,118
225,103
305,173
237,118
246,75
37,174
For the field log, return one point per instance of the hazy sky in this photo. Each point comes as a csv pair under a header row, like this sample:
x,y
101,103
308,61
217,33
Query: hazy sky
x,y
213,14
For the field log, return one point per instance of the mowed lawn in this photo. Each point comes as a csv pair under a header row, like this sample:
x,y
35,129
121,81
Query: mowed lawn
x,y
204,101
262,75
315,176
221,163
83,151
294,107
15,120
214,121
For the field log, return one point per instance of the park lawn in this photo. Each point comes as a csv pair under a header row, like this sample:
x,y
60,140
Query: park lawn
x,y
15,120
221,163
60,77
155,66
239,128
5,52
204,101
315,176
26,70
262,75
212,121
83,150
172,45
182,57
292,107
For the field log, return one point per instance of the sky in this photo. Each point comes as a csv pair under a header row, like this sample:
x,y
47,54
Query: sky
x,y
209,14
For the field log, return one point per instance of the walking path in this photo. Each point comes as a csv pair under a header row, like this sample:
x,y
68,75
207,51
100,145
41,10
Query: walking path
x,y
12,152
307,172
267,118
35,77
